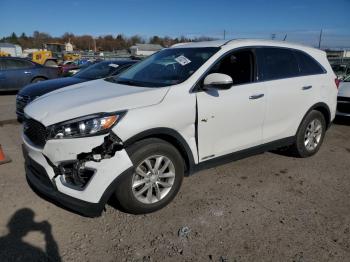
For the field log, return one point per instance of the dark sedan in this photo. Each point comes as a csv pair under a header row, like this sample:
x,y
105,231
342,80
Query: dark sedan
x,y
100,70
16,72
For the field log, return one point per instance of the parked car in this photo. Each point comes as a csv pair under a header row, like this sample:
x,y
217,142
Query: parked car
x,y
73,67
16,72
343,107
96,71
341,70
188,107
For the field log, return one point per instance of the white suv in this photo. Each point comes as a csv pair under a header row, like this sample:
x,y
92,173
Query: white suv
x,y
194,105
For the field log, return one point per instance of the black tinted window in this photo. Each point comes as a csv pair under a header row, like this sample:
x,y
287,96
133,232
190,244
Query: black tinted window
x,y
308,65
239,65
99,70
279,63
16,64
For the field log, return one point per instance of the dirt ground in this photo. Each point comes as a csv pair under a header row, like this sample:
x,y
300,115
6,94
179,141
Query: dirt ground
x,y
267,207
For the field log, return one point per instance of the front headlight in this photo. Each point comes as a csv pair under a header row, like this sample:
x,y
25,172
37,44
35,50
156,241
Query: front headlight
x,y
84,126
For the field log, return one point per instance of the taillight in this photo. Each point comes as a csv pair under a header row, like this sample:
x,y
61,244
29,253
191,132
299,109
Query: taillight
x,y
337,82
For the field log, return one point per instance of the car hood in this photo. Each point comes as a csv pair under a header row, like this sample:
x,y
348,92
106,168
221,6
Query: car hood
x,y
41,88
91,97
344,89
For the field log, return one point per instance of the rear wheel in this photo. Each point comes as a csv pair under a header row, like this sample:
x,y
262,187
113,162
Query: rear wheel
x,y
38,79
51,63
310,135
157,177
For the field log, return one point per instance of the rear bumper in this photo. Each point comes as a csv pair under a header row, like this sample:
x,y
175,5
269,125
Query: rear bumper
x,y
343,106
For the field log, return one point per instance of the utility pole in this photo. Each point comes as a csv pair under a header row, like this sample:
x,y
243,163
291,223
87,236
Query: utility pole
x,y
320,40
224,34
285,37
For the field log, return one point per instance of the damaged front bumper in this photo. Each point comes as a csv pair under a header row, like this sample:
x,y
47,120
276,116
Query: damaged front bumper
x,y
79,174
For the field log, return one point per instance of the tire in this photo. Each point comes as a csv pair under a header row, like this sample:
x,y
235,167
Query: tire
x,y
301,147
38,79
51,63
153,150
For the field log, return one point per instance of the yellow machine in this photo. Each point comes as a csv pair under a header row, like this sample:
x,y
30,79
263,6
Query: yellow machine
x,y
52,54
3,53
71,57
44,57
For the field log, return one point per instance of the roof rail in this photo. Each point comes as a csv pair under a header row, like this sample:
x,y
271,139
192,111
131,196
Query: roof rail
x,y
228,41
179,44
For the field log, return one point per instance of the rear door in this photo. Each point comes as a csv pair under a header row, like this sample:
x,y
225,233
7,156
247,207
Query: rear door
x,y
231,120
291,88
15,73
3,79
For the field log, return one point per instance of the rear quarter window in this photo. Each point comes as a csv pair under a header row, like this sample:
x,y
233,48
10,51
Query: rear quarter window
x,y
16,64
308,65
278,63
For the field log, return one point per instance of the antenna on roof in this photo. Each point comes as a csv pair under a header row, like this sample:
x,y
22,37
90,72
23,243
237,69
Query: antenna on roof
x,y
320,40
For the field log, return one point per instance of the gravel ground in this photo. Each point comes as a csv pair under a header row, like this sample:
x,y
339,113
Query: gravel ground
x,y
267,207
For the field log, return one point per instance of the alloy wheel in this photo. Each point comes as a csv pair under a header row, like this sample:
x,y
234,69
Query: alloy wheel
x,y
153,179
313,135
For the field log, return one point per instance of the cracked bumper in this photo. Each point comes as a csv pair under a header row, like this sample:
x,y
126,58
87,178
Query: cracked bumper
x,y
41,176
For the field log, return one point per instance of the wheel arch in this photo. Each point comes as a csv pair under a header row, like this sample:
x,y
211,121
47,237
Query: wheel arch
x,y
38,76
171,136
323,109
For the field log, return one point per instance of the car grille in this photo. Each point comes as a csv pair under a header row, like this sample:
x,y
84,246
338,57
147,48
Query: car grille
x,y
35,131
343,105
21,102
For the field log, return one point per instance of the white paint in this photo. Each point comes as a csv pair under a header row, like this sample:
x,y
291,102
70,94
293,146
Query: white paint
x,y
228,120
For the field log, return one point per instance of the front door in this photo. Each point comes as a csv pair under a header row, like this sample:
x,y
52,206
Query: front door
x,y
231,120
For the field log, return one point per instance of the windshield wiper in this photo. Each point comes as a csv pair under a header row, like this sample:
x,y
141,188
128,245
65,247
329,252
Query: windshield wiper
x,y
124,82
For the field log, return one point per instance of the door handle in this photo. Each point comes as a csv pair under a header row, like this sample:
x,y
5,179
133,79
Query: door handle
x,y
306,87
27,72
256,96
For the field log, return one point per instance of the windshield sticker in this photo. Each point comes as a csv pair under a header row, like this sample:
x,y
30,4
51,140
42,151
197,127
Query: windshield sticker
x,y
182,60
113,65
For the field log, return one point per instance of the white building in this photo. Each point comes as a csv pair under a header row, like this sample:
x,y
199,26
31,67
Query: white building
x,y
144,49
13,50
69,47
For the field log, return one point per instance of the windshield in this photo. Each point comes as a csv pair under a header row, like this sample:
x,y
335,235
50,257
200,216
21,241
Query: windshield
x,y
96,71
167,67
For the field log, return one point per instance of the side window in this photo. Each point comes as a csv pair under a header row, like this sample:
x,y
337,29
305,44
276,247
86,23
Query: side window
x,y
308,65
17,64
239,65
279,63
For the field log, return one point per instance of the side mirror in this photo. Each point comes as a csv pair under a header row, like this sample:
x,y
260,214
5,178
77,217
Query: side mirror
x,y
219,81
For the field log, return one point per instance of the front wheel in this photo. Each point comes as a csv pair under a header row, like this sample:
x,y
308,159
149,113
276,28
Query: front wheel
x,y
157,176
310,135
